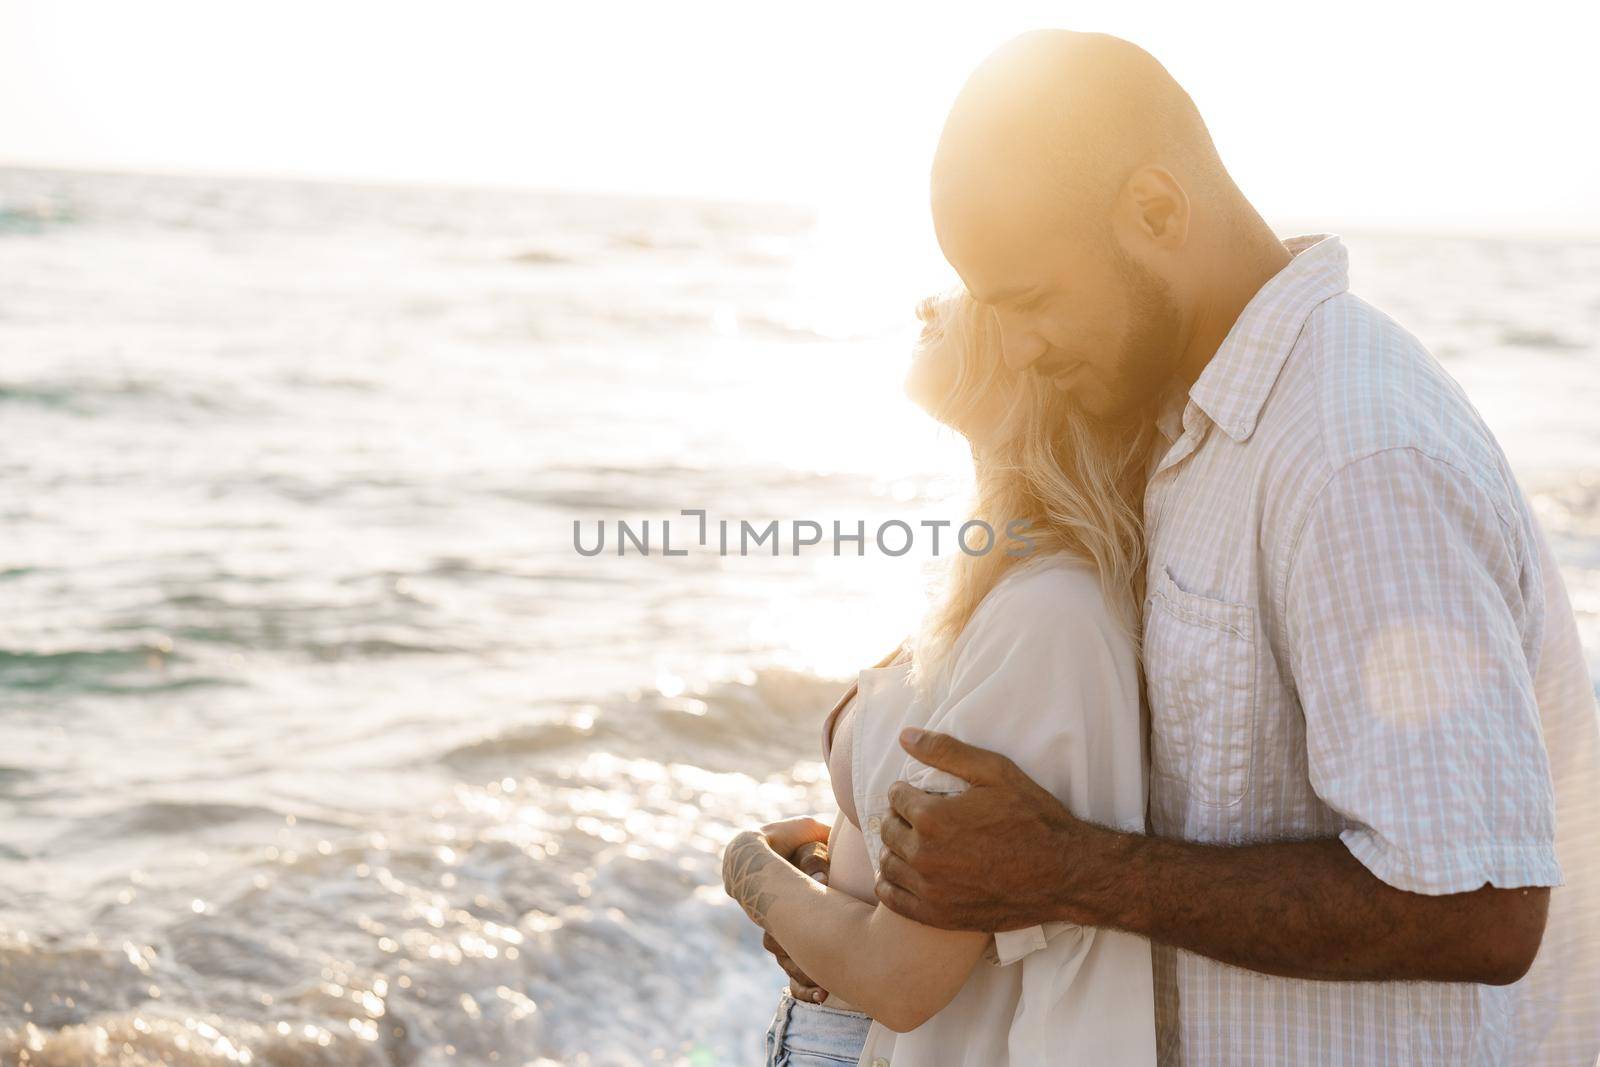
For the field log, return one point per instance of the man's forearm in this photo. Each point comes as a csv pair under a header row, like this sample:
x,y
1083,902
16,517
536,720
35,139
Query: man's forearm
x,y
1300,909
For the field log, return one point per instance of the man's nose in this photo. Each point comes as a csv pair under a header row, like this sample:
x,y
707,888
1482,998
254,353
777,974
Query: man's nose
x,y
1020,348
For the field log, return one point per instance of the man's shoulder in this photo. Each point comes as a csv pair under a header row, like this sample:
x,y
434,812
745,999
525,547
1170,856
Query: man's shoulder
x,y
1361,398
1361,384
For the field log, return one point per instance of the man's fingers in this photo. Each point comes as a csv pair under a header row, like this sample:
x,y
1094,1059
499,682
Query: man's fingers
x,y
968,762
910,803
898,898
896,834
893,869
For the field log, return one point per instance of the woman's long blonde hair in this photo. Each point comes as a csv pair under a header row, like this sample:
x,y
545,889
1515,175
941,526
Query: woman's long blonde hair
x,y
1073,485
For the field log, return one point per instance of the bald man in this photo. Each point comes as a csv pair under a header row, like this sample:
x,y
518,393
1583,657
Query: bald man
x,y
1371,722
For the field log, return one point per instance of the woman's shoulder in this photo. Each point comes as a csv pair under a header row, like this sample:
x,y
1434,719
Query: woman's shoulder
x,y
1043,605
1049,584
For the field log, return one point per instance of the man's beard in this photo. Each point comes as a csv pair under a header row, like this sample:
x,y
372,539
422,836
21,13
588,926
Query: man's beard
x,y
1150,348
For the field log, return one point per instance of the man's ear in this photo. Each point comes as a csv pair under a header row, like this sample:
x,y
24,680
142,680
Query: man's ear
x,y
1153,209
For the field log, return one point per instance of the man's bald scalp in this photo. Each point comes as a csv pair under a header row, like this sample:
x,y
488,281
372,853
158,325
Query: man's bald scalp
x,y
1079,112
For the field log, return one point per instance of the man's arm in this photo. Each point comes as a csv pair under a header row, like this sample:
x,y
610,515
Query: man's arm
x,y
1309,909
1006,854
1410,606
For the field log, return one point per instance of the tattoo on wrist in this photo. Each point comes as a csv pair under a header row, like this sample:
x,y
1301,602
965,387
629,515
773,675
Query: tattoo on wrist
x,y
746,857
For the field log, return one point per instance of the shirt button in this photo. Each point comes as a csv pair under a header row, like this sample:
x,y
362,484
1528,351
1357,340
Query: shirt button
x,y
880,1062
873,823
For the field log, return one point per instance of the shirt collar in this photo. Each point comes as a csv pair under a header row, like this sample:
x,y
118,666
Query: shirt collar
x,y
1233,387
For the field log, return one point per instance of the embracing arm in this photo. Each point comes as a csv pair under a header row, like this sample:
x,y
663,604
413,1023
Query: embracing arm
x,y
1409,607
1309,909
1007,854
895,969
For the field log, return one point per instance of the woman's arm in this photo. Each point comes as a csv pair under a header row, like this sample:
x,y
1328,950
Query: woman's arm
x,y
896,970
812,858
1043,674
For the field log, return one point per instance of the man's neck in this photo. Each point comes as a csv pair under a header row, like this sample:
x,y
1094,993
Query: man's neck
x,y
1243,264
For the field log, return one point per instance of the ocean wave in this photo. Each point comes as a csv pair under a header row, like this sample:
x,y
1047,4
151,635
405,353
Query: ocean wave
x,y
178,816
542,257
1539,337
515,570
536,739
95,1005
34,215
42,395
756,726
96,397
155,1039
152,820
82,668
96,978
10,774
322,633
378,648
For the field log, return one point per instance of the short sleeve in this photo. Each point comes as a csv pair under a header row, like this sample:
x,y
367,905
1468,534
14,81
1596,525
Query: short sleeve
x,y
1413,614
1046,676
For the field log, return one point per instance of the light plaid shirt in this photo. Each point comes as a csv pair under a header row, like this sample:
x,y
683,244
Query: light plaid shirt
x,y
1354,628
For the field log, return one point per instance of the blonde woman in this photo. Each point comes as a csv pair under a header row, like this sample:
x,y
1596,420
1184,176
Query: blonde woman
x,y
1031,655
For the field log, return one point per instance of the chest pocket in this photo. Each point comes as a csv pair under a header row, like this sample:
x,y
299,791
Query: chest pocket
x,y
1200,667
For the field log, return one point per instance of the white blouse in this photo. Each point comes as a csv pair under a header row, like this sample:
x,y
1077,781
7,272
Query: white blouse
x,y
1045,674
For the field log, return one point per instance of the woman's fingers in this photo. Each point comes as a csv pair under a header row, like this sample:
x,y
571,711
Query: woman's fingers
x,y
799,990
812,858
800,985
787,835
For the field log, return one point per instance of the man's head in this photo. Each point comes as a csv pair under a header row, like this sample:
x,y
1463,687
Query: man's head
x,y
1069,183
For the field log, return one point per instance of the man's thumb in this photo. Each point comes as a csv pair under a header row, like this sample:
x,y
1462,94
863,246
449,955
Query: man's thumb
x,y
944,752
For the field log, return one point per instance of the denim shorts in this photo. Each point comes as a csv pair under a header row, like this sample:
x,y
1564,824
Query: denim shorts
x,y
814,1035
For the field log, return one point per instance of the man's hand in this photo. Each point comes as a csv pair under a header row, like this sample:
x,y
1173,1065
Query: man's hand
x,y
1005,854
803,842
987,859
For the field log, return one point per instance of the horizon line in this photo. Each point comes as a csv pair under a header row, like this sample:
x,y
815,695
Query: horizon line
x,y
1285,224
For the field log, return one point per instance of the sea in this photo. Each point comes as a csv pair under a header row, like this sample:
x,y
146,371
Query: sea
x,y
326,738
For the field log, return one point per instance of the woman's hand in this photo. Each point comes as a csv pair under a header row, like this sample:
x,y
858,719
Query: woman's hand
x,y
802,842
811,856
801,987
750,853
743,862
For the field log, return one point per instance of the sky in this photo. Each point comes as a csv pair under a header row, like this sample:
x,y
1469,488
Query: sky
x,y
1402,115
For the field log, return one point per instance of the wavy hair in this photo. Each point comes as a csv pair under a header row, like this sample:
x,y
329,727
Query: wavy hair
x,y
1061,479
